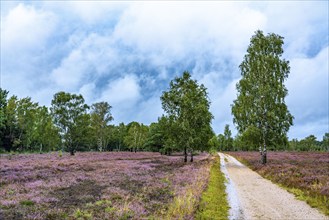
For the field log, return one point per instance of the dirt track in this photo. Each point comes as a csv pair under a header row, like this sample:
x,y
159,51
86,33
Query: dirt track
x,y
253,197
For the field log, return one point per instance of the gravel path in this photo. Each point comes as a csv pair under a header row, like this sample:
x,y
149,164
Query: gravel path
x,y
253,197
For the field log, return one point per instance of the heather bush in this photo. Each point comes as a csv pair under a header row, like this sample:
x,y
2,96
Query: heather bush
x,y
94,185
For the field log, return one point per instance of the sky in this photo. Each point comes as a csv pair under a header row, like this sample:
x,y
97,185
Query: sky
x,y
126,53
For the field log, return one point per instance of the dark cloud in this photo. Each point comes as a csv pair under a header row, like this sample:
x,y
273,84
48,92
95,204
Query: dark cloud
x,y
127,53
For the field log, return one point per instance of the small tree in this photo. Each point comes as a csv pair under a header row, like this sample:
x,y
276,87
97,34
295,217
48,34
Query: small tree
x,y
136,136
214,143
228,140
155,138
10,138
325,142
3,106
47,134
187,107
261,91
221,140
68,111
26,114
100,118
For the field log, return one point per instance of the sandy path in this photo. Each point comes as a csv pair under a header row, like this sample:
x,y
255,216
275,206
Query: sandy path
x,y
253,197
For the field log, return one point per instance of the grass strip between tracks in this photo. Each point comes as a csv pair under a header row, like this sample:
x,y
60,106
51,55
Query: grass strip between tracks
x,y
214,203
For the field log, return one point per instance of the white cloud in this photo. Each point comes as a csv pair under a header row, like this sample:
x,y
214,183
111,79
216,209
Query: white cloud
x,y
179,30
126,53
90,58
309,92
123,95
221,108
25,32
25,28
68,75
89,12
149,110
122,92
88,92
311,17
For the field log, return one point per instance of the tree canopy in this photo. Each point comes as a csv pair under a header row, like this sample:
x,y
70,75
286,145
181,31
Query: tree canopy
x,y
261,91
69,111
187,107
100,118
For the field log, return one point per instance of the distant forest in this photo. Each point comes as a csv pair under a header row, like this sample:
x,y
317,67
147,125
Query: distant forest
x,y
28,127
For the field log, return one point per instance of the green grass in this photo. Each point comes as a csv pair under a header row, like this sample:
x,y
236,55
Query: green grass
x,y
27,202
315,201
214,203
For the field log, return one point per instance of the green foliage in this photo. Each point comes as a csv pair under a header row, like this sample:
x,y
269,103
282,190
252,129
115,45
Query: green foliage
x,y
28,127
3,104
136,136
155,138
69,113
320,202
11,130
249,140
221,140
310,143
325,142
80,214
225,141
214,203
228,140
261,91
170,133
214,144
26,202
118,134
100,118
187,107
46,133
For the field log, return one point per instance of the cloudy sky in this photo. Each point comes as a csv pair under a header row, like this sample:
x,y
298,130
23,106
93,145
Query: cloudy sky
x,y
126,53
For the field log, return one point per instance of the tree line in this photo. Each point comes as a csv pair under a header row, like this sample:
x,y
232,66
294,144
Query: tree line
x,y
249,141
71,125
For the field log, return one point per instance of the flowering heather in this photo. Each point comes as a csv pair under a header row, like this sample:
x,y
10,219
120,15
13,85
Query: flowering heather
x,y
107,185
304,173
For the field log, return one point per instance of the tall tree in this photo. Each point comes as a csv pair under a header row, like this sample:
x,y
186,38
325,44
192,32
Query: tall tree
x,y
261,91
26,113
221,141
155,138
214,143
228,140
187,106
309,143
11,131
136,136
47,134
171,135
251,138
68,110
100,119
3,105
118,135
325,142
